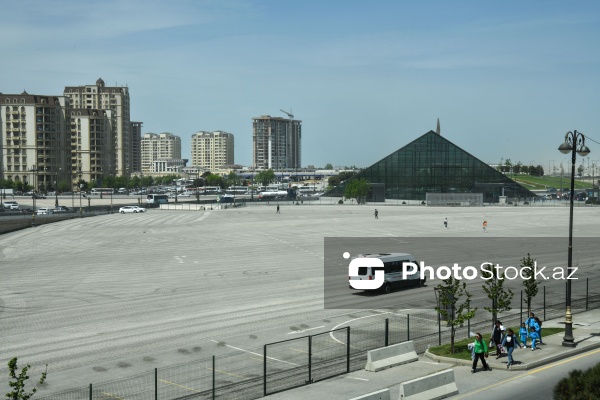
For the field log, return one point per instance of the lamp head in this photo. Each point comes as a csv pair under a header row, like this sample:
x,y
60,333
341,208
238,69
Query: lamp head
x,y
584,151
565,148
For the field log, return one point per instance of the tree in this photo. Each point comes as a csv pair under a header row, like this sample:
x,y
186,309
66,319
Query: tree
x,y
213,180
357,189
580,170
450,293
531,285
265,177
233,179
328,166
579,385
518,167
507,165
18,390
494,288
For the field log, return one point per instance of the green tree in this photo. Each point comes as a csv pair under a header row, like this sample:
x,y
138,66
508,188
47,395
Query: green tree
x,y
494,288
233,179
451,306
18,390
265,177
531,285
579,385
214,180
357,189
328,166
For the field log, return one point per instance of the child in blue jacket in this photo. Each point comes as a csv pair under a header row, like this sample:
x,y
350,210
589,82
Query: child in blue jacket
x,y
534,337
523,334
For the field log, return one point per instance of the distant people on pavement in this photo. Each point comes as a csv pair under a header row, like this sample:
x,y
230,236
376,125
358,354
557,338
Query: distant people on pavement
x,y
278,209
481,351
484,226
539,330
535,323
376,214
497,336
446,223
523,334
534,337
509,342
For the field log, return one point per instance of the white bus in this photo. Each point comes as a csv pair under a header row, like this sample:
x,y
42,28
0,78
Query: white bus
x,y
237,190
392,269
103,191
157,199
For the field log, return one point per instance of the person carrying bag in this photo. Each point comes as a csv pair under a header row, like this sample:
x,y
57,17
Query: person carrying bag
x,y
480,351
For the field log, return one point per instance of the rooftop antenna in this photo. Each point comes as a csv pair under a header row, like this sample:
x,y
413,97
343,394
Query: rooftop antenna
x,y
437,130
289,114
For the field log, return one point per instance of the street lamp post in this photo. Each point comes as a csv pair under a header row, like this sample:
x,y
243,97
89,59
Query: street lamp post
x,y
574,143
79,185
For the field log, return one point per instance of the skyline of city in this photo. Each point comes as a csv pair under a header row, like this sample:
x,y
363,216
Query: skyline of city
x,y
506,80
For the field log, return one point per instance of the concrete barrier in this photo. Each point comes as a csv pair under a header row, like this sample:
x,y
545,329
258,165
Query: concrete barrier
x,y
432,387
387,357
383,394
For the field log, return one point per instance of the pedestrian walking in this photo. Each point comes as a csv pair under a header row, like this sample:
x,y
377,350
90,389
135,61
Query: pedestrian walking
x,y
446,223
535,323
278,209
376,214
523,334
509,342
534,337
496,337
481,352
539,328
484,226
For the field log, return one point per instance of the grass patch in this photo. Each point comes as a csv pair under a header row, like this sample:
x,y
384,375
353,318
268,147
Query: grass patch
x,y
544,182
462,352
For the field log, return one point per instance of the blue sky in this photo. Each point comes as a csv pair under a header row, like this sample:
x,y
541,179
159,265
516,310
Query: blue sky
x,y
507,79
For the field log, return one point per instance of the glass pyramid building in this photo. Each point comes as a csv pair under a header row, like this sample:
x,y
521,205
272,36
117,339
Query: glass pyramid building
x,y
433,164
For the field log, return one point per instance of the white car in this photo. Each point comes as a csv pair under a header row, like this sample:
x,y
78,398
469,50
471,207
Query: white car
x,y
131,209
44,211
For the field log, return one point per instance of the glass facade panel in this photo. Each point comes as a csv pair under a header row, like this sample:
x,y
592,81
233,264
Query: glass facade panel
x,y
432,164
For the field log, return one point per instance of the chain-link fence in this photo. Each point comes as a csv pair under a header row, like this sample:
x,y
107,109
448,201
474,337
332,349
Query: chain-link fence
x,y
287,364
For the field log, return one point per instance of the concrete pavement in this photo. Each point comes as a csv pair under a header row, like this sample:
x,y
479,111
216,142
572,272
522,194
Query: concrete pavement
x,y
586,333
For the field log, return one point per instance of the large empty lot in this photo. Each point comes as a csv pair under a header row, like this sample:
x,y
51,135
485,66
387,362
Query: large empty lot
x,y
111,296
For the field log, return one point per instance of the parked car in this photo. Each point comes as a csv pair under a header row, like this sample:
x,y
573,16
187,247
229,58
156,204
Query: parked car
x,y
131,209
44,211
26,211
11,205
61,209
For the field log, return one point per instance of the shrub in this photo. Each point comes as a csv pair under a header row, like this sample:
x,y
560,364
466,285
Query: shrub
x,y
579,385
340,201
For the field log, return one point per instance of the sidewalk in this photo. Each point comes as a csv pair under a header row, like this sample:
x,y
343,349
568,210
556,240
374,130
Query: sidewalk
x,y
586,332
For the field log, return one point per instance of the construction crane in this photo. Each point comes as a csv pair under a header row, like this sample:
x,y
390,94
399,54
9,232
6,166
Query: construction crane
x,y
289,114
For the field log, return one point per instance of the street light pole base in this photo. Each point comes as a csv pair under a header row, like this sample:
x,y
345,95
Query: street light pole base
x,y
568,339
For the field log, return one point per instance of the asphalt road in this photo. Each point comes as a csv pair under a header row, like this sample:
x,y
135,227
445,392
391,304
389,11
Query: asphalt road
x,y
116,295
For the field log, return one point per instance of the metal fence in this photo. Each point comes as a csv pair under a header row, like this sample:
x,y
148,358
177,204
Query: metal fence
x,y
288,364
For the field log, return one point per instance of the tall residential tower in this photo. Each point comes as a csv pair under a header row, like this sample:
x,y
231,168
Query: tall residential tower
x,y
276,142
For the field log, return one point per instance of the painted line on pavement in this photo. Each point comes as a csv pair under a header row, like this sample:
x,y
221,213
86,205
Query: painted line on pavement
x,y
258,354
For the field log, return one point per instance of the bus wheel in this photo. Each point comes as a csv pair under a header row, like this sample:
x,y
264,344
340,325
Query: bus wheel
x,y
387,288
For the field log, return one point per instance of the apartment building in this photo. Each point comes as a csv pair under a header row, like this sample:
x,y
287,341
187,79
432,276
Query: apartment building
x,y
107,98
136,145
211,150
276,143
84,134
161,146
32,139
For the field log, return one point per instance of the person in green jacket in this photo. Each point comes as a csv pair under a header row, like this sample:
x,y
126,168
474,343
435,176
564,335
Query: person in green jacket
x,y
480,349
